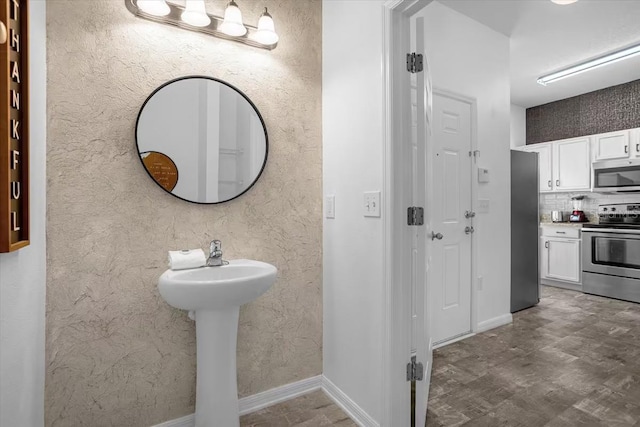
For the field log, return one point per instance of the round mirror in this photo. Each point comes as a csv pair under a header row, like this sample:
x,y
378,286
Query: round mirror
x,y
201,139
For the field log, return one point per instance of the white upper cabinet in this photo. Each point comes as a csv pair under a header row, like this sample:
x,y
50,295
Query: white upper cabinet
x,y
572,164
614,145
634,146
544,165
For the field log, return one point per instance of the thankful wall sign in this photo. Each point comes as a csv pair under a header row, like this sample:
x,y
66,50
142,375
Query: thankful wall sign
x,y
14,126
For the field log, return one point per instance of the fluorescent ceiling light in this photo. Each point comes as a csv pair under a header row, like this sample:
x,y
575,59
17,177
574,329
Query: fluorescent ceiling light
x,y
590,65
563,2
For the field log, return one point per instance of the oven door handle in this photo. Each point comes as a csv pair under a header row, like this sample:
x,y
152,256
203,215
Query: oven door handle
x,y
611,230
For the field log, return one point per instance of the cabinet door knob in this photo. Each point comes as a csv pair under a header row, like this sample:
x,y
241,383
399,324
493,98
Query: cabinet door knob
x,y
546,245
557,183
549,183
626,149
638,148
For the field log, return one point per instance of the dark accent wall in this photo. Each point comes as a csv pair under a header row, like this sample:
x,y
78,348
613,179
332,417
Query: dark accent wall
x,y
605,110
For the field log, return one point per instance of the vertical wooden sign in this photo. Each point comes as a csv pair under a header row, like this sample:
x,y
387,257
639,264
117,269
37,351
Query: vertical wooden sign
x,y
14,127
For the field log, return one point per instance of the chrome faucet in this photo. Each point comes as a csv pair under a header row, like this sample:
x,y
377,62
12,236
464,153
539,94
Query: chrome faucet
x,y
215,254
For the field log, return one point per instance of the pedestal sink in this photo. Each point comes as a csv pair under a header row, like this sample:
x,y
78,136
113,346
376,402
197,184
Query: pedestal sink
x,y
216,294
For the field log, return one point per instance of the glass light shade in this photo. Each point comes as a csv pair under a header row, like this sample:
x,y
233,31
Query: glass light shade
x,y
195,14
154,7
563,2
232,24
266,33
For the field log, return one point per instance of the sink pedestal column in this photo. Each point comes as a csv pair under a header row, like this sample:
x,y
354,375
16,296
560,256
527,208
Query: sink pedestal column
x,y
216,382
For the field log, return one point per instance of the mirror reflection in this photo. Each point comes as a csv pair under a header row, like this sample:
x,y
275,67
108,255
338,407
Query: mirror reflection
x,y
201,140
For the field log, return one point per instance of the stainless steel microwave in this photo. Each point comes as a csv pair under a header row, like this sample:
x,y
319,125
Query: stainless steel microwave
x,y
616,175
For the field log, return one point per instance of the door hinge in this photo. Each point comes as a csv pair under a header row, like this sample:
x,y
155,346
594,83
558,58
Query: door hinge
x,y
415,370
414,62
415,215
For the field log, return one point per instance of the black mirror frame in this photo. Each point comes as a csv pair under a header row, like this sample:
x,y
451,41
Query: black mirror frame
x,y
264,127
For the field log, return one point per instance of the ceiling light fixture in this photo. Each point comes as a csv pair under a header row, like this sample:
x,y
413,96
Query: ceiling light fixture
x,y
194,17
590,65
564,2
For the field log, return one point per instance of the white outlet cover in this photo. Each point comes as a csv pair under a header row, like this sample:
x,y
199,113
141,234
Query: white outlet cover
x,y
372,204
330,206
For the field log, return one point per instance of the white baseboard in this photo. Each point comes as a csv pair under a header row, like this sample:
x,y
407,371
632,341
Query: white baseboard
x,y
276,395
505,319
453,340
355,412
187,421
261,400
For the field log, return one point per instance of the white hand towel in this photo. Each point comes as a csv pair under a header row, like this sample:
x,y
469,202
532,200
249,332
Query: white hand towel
x,y
190,258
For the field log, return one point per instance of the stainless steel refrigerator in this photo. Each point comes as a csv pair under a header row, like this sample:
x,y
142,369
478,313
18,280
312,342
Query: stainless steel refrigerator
x,y
525,237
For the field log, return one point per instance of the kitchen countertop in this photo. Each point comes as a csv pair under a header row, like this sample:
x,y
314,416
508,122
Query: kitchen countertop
x,y
565,224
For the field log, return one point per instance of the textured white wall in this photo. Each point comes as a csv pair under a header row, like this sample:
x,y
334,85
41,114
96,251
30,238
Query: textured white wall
x,y
352,164
518,126
22,273
117,354
470,59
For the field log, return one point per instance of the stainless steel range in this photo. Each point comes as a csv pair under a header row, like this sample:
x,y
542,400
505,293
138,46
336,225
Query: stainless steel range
x,y
611,252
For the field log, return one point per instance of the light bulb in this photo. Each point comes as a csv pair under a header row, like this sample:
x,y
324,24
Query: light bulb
x,y
195,14
232,24
266,33
154,7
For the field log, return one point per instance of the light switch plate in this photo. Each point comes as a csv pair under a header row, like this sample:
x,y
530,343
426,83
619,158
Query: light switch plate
x,y
330,206
372,204
483,175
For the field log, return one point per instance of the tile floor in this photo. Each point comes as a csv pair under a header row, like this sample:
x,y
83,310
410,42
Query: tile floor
x,y
311,410
573,360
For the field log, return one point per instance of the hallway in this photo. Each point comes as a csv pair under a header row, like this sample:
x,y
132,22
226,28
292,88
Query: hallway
x,y
573,360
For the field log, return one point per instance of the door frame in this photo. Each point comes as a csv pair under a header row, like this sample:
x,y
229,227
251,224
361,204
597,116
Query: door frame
x,y
473,280
396,299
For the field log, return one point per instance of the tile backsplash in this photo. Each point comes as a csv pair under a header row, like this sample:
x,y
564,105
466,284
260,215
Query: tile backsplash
x,y
562,202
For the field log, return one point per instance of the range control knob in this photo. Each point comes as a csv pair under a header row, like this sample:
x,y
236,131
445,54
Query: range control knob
x,y
613,209
605,209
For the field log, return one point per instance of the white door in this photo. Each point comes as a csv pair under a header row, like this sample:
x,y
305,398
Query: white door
x,y
421,135
572,164
450,261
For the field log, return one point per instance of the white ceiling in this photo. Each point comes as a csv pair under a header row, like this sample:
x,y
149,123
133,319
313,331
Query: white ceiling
x,y
546,37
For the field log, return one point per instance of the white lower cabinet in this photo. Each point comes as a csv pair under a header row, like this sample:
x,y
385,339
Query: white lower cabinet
x,y
560,255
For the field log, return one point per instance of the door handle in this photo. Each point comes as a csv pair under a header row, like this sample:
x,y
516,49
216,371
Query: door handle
x,y
638,148
438,236
468,230
557,183
469,214
549,183
546,245
626,149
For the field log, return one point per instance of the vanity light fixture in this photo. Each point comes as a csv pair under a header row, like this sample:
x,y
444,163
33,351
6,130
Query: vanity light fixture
x,y
266,33
232,24
154,7
195,14
193,17
590,65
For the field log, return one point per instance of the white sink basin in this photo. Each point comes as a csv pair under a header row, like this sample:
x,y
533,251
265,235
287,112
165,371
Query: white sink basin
x,y
211,288
216,294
